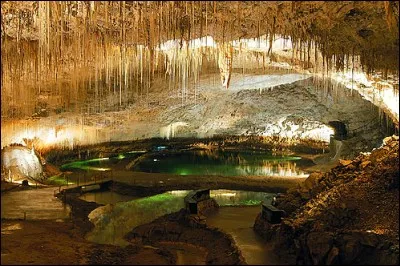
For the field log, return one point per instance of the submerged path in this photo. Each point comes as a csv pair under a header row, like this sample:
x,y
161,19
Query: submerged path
x,y
238,222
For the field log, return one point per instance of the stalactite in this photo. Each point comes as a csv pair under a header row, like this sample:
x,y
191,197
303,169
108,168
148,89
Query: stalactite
x,y
86,49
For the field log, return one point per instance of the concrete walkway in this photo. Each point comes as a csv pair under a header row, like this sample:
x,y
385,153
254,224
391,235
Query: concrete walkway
x,y
33,204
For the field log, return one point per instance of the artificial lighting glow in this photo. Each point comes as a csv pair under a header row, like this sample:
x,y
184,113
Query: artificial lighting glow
x,y
378,231
178,192
99,169
20,163
261,44
226,194
206,41
170,130
287,129
136,151
83,165
385,96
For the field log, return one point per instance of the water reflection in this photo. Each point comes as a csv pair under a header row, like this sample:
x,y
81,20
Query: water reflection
x,y
102,164
106,197
226,163
239,198
115,220
200,162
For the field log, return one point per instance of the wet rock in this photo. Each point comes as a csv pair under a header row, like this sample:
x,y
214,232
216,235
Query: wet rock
x,y
207,206
264,228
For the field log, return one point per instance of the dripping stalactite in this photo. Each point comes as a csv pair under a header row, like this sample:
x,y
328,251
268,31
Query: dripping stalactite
x,y
200,132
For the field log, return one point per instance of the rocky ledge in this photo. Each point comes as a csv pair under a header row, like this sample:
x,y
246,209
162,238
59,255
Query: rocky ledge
x,y
349,215
181,227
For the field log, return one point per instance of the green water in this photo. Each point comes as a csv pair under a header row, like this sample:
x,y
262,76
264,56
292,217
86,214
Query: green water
x,y
199,162
102,164
225,163
239,198
223,197
114,220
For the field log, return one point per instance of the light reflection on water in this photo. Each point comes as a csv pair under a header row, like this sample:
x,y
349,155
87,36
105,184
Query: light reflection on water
x,y
226,163
113,221
106,197
239,198
201,162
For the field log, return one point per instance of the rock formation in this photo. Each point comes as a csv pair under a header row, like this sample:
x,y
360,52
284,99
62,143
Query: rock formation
x,y
346,216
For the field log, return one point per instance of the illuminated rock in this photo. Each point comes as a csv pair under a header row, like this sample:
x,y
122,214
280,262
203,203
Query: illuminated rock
x,y
170,130
20,163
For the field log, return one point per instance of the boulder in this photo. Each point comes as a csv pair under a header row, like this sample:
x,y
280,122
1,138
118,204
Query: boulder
x,y
264,228
351,249
319,244
369,239
312,180
19,163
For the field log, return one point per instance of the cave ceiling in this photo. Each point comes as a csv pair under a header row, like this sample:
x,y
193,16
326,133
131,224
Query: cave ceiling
x,y
95,66
369,29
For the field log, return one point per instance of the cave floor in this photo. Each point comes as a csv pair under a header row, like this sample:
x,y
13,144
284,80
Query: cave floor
x,y
62,234
49,242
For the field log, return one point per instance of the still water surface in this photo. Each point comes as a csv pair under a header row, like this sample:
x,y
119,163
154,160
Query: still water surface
x,y
200,162
116,219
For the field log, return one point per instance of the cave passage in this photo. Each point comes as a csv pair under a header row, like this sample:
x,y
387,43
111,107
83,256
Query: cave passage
x,y
112,111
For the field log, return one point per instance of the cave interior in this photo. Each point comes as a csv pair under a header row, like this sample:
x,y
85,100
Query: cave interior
x,y
244,103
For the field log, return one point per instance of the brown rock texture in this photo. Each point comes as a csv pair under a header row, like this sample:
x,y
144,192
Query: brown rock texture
x,y
180,227
349,215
